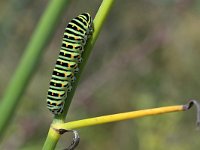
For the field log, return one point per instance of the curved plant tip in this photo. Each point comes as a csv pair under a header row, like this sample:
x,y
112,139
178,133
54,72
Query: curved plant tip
x,y
189,105
75,140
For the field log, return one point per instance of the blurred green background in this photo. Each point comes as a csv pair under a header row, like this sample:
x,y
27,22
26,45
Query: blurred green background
x,y
146,56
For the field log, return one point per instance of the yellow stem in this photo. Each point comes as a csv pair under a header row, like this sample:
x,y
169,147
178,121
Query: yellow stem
x,y
117,117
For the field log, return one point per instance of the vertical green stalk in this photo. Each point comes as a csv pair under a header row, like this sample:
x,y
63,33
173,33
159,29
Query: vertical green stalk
x,y
52,137
29,61
99,19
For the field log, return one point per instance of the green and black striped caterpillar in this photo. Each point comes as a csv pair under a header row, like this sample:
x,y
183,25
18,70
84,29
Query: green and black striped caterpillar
x,y
75,37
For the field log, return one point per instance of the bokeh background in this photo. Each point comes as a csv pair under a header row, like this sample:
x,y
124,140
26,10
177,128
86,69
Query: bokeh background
x,y
146,56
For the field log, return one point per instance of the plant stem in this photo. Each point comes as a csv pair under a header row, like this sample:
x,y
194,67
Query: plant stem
x,y
53,137
128,115
118,117
29,61
100,17
125,116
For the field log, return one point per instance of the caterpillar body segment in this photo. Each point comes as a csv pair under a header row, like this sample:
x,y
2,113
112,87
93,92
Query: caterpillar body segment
x,y
75,37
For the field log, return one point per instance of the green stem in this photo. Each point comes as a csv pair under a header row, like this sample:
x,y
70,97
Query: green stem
x,y
52,139
101,15
29,61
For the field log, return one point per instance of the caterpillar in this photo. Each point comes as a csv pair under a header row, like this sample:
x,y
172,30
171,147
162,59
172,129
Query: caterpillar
x,y
75,37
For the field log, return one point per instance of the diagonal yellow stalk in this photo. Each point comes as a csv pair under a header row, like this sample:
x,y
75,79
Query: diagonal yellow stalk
x,y
126,116
117,117
59,128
